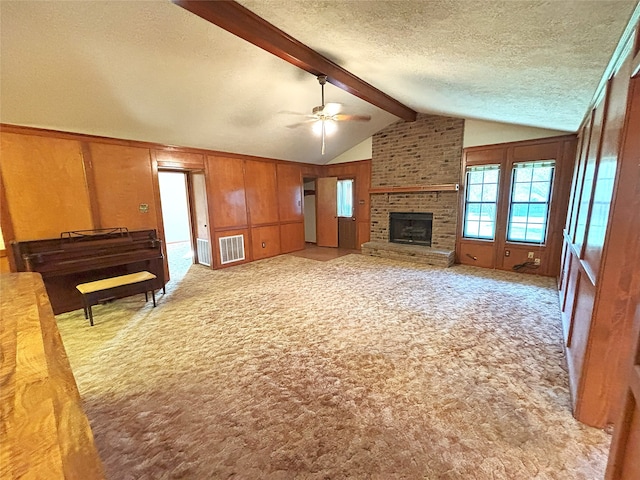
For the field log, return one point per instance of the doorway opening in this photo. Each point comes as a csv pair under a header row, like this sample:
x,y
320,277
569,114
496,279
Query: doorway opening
x,y
176,217
309,210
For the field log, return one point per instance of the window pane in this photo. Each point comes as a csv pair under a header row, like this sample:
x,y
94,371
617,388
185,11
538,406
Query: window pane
x,y
538,213
490,192
474,193
475,177
523,175
473,211
519,212
521,192
491,176
486,229
540,191
471,229
517,231
488,212
535,233
542,174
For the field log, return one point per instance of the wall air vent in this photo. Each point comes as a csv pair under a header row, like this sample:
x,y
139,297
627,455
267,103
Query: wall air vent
x,y
231,249
204,253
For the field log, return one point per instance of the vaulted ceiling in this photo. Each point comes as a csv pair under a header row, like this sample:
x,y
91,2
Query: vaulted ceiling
x,y
153,71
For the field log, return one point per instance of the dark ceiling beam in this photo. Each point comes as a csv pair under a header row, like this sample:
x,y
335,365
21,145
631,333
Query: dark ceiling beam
x,y
238,20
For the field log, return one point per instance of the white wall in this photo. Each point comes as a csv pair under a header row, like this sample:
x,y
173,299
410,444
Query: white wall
x,y
481,132
362,151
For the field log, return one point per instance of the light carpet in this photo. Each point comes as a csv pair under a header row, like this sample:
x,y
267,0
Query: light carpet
x,y
359,367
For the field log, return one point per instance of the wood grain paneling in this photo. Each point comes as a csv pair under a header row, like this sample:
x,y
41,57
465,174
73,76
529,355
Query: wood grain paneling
x,y
291,237
611,342
578,179
227,204
124,184
289,192
45,186
171,159
45,431
604,284
364,232
261,191
579,336
478,254
265,241
607,166
589,175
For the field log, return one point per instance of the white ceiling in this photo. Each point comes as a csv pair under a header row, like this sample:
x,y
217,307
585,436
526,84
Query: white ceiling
x,y
149,70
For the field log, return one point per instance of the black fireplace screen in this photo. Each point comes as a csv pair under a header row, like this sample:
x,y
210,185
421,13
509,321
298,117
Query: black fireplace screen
x,y
412,227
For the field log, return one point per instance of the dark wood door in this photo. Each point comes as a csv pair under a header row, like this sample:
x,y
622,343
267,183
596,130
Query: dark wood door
x,y
327,212
347,232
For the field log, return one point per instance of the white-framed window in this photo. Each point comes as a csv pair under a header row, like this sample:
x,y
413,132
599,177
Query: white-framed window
x,y
481,199
531,185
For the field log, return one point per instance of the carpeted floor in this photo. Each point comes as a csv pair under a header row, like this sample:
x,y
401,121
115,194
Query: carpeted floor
x,y
358,367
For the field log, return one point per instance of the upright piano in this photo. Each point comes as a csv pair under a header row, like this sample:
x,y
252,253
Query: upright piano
x,y
87,255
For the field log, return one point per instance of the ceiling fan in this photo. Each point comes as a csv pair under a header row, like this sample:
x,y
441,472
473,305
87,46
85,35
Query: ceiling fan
x,y
324,116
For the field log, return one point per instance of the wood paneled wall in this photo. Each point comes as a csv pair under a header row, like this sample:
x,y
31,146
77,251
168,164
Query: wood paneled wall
x,y
59,181
45,186
601,233
500,253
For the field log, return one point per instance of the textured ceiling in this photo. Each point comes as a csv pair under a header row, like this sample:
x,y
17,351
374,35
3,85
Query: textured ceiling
x,y
152,71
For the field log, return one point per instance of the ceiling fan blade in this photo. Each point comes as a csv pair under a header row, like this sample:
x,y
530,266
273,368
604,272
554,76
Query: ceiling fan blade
x,y
300,124
356,118
288,112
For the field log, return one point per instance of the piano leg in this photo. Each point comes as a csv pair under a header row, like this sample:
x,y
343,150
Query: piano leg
x,y
153,295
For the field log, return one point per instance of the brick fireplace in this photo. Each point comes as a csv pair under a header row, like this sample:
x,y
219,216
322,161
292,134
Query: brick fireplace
x,y
423,153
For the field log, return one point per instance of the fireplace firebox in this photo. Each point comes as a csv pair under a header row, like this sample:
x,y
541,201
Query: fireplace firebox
x,y
410,227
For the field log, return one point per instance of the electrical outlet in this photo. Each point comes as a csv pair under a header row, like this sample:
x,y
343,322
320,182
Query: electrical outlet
x,y
536,261
530,255
507,253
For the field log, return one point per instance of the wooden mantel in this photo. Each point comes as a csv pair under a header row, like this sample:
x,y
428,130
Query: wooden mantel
x,y
445,187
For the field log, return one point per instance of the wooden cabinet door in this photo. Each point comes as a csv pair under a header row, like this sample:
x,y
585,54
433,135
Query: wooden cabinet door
x,y
327,212
124,182
45,186
262,191
228,207
289,192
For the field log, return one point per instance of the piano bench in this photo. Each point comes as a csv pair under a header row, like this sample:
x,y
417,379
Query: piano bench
x,y
109,288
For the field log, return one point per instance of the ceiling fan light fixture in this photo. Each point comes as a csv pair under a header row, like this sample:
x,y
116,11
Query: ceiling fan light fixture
x,y
330,127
